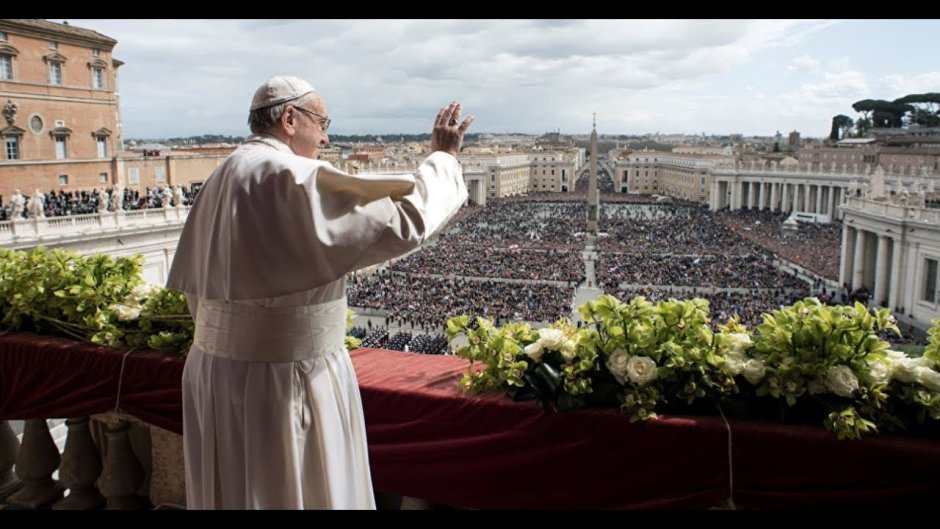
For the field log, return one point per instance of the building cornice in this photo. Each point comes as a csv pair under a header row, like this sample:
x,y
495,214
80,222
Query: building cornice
x,y
16,27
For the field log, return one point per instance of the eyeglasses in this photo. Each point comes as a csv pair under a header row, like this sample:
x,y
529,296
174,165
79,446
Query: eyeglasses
x,y
324,124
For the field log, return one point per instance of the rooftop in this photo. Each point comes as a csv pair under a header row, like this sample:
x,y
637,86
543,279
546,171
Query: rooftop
x,y
59,29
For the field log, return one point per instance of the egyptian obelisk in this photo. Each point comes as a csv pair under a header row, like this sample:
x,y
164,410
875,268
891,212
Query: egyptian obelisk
x,y
592,195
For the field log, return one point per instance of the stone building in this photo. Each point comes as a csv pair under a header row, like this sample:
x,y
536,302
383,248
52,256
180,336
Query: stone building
x,y
59,93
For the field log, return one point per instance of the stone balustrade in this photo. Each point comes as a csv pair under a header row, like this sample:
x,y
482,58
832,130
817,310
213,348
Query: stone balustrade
x,y
110,460
40,230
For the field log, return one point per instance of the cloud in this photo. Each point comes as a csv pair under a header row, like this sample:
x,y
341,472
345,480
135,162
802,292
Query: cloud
x,y
802,64
187,77
898,85
839,65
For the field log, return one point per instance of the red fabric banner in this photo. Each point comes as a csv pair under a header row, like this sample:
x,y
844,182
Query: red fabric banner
x,y
428,440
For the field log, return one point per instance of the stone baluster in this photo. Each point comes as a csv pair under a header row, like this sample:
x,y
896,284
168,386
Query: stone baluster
x,y
80,468
123,475
8,446
36,460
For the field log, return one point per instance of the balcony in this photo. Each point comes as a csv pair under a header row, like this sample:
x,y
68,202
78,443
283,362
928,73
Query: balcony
x,y
24,233
427,440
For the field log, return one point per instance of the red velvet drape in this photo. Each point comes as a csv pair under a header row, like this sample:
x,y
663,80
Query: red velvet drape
x,y
428,440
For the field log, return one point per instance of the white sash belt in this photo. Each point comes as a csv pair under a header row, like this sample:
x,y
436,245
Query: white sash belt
x,y
270,334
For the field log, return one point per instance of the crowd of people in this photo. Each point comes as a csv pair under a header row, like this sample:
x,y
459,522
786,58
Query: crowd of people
x,y
604,182
707,270
646,246
507,223
813,246
446,257
429,301
667,229
722,305
540,237
379,338
64,203
581,197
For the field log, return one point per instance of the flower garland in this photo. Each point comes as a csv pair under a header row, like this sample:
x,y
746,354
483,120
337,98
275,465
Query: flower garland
x,y
826,362
96,299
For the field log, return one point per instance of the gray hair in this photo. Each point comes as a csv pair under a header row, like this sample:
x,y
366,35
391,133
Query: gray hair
x,y
264,119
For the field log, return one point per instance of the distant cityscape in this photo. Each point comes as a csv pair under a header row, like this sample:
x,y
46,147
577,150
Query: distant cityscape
x,y
850,215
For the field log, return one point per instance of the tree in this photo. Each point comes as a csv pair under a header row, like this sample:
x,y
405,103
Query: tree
x,y
864,107
840,127
926,108
879,113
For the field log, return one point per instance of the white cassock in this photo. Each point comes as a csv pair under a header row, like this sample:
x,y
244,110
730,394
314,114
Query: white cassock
x,y
272,417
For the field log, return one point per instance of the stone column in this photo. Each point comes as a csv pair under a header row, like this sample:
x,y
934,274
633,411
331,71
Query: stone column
x,y
858,263
713,199
818,200
894,289
80,468
773,196
8,447
806,198
832,203
762,197
122,476
881,269
784,198
36,460
911,288
751,195
848,253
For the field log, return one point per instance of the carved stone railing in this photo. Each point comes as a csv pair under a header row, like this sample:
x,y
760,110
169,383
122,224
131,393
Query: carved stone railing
x,y
891,210
831,172
111,458
111,461
39,229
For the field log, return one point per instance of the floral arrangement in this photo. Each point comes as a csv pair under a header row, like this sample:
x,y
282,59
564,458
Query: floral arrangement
x,y
98,299
823,362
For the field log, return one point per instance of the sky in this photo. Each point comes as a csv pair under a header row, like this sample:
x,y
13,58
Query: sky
x,y
753,77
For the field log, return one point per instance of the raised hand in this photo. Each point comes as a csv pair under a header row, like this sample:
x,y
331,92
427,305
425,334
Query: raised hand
x,y
447,135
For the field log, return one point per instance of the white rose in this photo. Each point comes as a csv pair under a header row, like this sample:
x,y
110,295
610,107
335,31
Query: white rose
x,y
878,373
754,371
124,312
568,350
734,363
641,370
738,342
551,338
904,369
617,365
929,378
534,351
143,290
922,361
841,381
894,356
